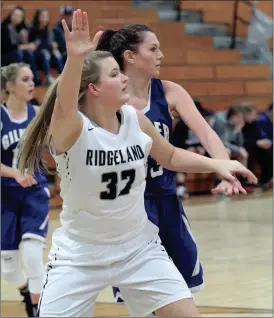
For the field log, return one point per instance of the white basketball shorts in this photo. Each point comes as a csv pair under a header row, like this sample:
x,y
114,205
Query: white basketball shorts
x,y
78,271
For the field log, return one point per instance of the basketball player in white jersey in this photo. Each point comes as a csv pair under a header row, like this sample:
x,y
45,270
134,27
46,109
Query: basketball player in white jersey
x,y
105,236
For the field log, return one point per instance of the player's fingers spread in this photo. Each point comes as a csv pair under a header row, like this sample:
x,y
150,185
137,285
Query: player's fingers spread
x,y
85,25
242,190
96,38
222,189
74,21
79,20
235,190
229,191
65,27
242,170
215,190
218,188
228,176
251,177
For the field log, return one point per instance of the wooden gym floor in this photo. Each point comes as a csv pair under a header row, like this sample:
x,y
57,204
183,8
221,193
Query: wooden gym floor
x,y
234,236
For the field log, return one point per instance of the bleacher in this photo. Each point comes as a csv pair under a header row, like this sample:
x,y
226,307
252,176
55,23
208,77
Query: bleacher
x,y
215,76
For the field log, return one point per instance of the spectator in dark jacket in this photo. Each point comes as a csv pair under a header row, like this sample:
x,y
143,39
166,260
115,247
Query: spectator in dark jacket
x,y
265,124
15,44
184,138
47,48
258,143
66,13
192,142
250,130
264,153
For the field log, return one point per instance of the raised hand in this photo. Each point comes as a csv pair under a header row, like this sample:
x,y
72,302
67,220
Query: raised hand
x,y
78,41
228,168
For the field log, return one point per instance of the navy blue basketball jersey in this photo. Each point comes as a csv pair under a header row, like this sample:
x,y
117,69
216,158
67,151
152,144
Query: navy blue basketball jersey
x,y
159,180
11,132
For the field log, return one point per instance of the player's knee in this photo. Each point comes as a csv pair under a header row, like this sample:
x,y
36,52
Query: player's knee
x,y
11,270
32,256
180,308
9,261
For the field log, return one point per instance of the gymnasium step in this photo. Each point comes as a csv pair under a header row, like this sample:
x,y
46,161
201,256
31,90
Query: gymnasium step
x,y
247,56
197,28
224,42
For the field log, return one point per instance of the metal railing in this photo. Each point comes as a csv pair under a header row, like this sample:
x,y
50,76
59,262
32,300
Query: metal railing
x,y
177,7
237,18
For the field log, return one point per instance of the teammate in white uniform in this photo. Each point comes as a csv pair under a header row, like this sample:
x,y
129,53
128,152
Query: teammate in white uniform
x,y
105,236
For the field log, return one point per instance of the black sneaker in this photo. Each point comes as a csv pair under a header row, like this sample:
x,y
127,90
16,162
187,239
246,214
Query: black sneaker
x,y
27,300
35,310
120,300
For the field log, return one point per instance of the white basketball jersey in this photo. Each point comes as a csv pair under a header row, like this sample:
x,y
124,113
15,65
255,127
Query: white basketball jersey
x,y
103,181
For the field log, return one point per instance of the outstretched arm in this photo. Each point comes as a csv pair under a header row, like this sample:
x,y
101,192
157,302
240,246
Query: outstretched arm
x,y
185,161
179,99
181,102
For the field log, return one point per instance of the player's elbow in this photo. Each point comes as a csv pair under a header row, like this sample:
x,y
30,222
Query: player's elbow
x,y
169,162
163,156
173,162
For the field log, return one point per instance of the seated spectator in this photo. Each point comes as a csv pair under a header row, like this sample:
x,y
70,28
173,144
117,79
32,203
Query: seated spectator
x,y
47,49
228,126
15,44
183,137
66,13
265,124
258,134
250,130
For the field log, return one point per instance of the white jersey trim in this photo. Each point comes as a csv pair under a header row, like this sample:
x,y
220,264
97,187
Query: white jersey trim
x,y
13,120
147,108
